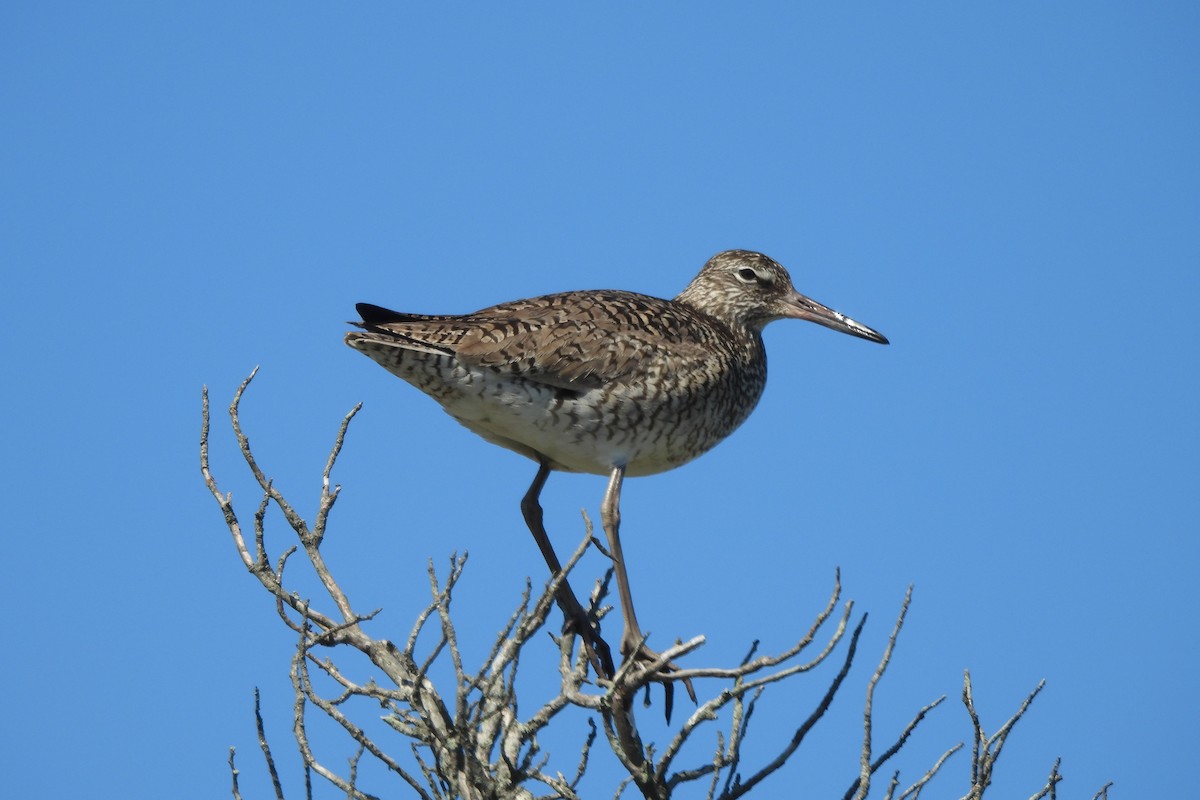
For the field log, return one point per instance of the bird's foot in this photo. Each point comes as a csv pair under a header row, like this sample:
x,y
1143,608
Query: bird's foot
x,y
640,658
587,629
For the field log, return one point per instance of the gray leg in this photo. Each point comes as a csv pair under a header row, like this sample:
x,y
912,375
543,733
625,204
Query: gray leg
x,y
631,638
577,619
610,518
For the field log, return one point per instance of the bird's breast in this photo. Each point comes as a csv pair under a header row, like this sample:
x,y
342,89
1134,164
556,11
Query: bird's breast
x,y
650,423
655,419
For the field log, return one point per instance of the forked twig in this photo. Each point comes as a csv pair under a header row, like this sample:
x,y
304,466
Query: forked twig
x,y
477,745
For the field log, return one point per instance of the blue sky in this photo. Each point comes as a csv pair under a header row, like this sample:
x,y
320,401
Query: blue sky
x,y
1010,194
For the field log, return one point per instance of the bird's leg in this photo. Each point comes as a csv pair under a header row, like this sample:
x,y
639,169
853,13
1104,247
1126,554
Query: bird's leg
x,y
632,645
577,619
610,518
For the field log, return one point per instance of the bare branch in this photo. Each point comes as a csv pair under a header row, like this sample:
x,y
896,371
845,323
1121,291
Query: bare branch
x,y
477,745
302,683
737,788
300,731
1050,789
328,496
984,750
865,766
748,667
914,791
265,747
868,767
233,771
708,711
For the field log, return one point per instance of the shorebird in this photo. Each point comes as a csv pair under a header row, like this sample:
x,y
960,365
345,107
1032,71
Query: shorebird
x,y
604,382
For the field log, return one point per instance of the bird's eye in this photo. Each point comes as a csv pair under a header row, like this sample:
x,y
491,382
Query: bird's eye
x,y
753,276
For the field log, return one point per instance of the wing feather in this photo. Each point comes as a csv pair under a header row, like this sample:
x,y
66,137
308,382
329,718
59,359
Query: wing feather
x,y
575,340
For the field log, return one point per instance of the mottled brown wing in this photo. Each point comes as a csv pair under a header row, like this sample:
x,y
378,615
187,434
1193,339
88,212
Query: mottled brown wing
x,y
580,340
574,340
434,333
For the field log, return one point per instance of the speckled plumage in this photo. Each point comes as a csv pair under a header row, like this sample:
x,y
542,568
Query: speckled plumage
x,y
606,382
589,380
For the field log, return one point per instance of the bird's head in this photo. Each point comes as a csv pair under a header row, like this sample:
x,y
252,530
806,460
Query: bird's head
x,y
741,287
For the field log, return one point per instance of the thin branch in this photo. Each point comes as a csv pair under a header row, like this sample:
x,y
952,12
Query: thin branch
x,y
864,778
748,667
265,747
303,683
738,789
708,711
985,751
914,791
293,519
330,496
867,767
233,771
1050,789
478,746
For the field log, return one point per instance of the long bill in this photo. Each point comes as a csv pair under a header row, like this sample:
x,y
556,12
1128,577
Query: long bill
x,y
801,307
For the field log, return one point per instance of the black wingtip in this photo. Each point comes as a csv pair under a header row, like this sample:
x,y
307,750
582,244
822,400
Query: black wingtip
x,y
374,316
